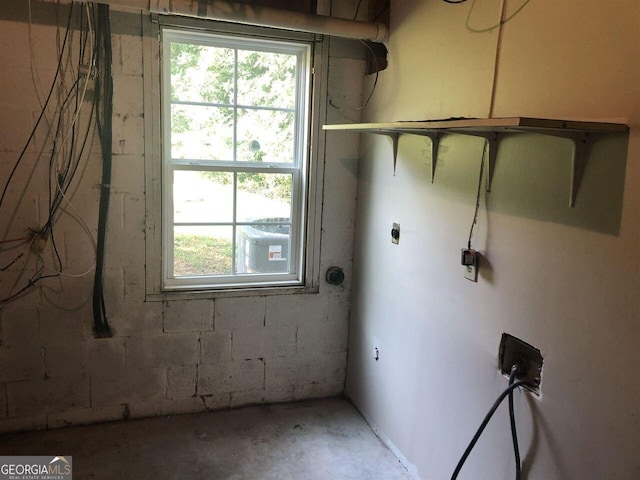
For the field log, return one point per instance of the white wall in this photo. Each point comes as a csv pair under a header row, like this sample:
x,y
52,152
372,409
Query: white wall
x,y
562,279
166,357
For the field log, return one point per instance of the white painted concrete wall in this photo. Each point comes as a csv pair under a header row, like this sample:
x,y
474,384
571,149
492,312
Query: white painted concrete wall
x,y
166,357
564,280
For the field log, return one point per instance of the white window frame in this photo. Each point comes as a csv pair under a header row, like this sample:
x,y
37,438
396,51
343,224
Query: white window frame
x,y
305,278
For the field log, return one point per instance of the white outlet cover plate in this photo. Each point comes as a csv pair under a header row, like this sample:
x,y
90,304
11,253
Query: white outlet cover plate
x,y
471,273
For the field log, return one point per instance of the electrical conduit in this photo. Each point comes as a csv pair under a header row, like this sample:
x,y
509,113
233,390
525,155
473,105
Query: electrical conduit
x,y
236,12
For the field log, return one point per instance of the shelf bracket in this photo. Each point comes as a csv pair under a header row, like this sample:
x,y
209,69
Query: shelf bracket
x,y
578,160
578,164
576,131
492,139
435,145
394,136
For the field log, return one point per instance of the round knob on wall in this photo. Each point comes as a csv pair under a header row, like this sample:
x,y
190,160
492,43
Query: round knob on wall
x,y
335,276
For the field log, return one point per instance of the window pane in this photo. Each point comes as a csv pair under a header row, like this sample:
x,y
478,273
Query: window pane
x,y
201,133
266,79
200,197
263,249
265,136
201,74
202,251
264,196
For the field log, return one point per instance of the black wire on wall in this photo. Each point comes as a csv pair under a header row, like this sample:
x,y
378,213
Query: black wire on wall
x,y
68,149
104,112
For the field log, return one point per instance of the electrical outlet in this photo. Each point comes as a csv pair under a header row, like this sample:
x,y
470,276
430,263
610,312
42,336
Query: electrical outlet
x,y
395,233
527,358
470,260
471,272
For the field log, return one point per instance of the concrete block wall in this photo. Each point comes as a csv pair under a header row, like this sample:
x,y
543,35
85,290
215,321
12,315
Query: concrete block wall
x,y
166,357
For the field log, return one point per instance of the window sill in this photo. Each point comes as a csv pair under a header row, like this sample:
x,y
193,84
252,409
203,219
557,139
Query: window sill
x,y
238,292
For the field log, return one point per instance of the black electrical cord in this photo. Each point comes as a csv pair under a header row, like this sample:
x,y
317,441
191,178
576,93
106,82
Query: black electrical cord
x,y
68,178
454,1
30,284
69,148
512,421
42,112
375,82
484,423
15,259
36,277
63,179
54,150
104,92
58,177
355,15
373,88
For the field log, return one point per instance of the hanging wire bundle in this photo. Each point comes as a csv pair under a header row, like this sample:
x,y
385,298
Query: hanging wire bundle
x,y
77,103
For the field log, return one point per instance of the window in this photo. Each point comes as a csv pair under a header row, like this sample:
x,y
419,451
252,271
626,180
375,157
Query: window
x,y
235,124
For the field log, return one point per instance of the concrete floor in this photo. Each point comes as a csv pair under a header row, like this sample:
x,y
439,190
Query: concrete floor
x,y
320,439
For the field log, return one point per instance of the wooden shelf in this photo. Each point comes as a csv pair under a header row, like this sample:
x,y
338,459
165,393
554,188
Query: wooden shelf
x,y
490,129
486,125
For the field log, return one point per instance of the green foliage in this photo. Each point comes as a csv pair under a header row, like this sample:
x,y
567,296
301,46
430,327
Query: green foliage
x,y
263,79
273,186
180,123
221,178
266,79
200,255
276,187
184,57
218,84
